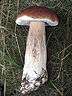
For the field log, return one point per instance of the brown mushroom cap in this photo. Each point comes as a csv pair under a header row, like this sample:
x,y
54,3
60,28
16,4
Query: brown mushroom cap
x,y
37,13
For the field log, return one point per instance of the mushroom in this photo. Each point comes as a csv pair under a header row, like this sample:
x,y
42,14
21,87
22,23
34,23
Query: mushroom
x,y
34,71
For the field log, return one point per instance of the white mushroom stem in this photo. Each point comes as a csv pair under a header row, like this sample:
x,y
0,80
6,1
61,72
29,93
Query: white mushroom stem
x,y
34,71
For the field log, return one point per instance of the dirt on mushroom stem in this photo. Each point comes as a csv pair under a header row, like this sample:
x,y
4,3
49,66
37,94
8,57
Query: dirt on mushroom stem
x,y
34,71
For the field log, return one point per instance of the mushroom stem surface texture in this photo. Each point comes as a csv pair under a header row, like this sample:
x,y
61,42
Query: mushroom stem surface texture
x,y
34,71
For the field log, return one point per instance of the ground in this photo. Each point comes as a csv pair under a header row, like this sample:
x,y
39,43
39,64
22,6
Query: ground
x,y
59,48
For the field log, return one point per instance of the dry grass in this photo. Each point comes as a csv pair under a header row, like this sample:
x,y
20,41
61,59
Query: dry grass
x,y
13,43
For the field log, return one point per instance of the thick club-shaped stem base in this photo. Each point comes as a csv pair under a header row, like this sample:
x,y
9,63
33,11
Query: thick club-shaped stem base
x,y
34,71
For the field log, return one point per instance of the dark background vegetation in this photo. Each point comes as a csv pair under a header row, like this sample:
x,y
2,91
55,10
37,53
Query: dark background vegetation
x,y
58,41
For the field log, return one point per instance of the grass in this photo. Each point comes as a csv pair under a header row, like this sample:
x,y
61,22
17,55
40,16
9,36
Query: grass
x,y
58,41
